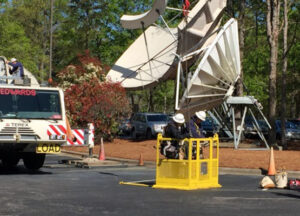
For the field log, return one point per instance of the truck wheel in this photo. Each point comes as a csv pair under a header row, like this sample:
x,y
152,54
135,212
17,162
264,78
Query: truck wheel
x,y
33,160
10,160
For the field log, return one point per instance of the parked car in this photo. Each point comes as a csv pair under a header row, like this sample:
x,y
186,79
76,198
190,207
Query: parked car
x,y
292,132
210,127
125,127
251,132
296,122
148,124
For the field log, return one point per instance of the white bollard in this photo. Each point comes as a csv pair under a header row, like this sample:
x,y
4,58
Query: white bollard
x,y
90,138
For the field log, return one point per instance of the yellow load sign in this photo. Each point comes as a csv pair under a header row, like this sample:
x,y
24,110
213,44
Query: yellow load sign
x,y
48,148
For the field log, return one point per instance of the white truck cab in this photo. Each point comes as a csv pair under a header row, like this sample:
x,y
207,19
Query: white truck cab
x,y
32,119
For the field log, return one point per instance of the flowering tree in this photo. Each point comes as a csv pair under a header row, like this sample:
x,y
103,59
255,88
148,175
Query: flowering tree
x,y
89,97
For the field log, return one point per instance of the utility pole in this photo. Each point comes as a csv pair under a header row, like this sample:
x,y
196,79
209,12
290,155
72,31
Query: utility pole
x,y
51,21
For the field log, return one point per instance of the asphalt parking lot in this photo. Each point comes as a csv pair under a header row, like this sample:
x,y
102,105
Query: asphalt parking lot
x,y
67,190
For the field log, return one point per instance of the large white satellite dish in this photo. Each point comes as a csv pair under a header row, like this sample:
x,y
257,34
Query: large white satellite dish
x,y
145,19
152,57
134,71
32,78
216,74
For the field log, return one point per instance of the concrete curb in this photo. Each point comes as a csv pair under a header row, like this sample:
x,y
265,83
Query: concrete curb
x,y
121,160
222,170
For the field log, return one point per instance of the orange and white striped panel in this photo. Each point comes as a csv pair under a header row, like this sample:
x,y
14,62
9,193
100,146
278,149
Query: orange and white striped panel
x,y
61,130
79,137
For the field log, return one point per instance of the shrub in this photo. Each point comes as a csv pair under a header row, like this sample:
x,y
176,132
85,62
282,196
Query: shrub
x,y
89,97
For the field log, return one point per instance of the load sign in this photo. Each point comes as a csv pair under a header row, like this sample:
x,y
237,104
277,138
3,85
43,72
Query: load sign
x,y
48,148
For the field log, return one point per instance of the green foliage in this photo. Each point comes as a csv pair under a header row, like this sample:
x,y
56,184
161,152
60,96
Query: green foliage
x,y
89,98
14,43
95,25
163,98
257,86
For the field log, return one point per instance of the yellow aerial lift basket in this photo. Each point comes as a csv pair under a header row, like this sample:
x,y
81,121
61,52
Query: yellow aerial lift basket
x,y
193,172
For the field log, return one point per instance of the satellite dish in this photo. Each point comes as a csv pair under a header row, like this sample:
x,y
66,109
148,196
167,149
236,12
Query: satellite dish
x,y
201,21
216,74
134,71
145,19
153,56
32,78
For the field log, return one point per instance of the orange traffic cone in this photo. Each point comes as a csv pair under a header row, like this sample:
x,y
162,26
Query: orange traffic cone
x,y
141,162
69,133
101,151
272,170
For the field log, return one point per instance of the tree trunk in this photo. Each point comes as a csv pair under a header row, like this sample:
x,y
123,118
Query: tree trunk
x,y
87,34
165,97
242,45
273,32
239,85
51,37
150,101
256,40
132,102
297,110
283,79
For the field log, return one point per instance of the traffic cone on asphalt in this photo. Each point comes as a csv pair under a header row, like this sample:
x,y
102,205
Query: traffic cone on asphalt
x,y
141,162
271,170
101,151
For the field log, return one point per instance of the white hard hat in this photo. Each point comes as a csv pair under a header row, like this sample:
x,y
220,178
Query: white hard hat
x,y
201,115
179,118
13,59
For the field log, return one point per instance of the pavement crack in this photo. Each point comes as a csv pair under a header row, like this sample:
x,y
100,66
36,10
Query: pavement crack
x,y
107,173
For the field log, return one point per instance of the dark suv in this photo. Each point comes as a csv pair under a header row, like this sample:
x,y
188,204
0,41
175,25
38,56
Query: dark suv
x,y
291,130
148,124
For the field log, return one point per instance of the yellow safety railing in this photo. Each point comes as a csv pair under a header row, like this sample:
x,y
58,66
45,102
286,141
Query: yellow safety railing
x,y
193,172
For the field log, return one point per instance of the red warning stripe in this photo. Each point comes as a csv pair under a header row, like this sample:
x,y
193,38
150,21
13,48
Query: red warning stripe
x,y
70,141
54,129
62,128
79,134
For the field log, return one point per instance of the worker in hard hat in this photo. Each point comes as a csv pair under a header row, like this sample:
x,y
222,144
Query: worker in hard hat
x,y
176,129
16,68
196,131
195,127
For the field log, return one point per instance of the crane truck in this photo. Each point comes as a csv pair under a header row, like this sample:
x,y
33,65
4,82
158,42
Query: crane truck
x,y
32,119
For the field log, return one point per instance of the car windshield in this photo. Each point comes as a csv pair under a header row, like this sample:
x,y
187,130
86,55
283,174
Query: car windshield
x,y
288,124
29,104
262,123
153,118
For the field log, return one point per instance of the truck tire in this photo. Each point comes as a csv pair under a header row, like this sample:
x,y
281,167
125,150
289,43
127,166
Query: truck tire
x,y
10,160
33,161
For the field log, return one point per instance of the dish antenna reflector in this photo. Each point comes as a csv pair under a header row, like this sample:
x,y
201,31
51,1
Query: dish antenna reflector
x,y
216,73
134,71
152,57
145,19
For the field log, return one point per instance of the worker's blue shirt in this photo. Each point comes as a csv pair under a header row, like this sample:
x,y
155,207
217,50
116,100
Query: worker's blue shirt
x,y
196,131
17,69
